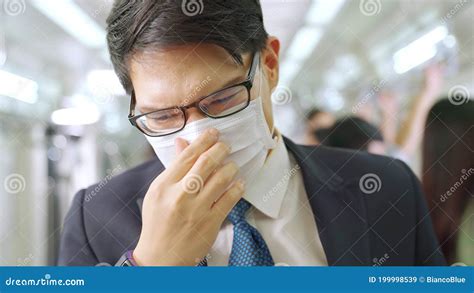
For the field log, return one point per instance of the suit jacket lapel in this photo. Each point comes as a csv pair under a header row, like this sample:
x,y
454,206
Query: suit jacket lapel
x,y
340,214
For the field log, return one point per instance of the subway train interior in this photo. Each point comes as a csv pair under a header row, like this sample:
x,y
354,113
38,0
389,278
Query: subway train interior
x,y
374,66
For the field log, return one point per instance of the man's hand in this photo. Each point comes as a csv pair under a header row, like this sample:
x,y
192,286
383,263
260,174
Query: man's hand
x,y
187,203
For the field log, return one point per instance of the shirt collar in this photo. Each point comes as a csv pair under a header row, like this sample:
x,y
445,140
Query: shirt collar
x,y
267,191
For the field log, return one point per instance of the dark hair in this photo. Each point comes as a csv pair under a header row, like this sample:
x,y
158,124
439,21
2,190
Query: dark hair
x,y
313,112
447,161
350,132
136,26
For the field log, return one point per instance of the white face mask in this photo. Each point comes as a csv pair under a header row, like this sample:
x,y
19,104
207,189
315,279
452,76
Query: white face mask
x,y
246,132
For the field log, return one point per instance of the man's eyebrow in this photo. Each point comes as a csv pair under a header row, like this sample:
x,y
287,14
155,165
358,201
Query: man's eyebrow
x,y
200,93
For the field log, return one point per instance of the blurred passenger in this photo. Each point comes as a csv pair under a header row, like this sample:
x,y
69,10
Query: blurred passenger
x,y
389,109
317,120
410,132
448,177
354,133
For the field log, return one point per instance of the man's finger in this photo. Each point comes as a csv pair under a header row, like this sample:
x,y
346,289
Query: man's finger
x,y
209,161
228,200
180,144
189,155
218,182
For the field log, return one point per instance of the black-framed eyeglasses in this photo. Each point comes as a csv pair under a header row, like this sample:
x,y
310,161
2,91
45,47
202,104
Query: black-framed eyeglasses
x,y
220,104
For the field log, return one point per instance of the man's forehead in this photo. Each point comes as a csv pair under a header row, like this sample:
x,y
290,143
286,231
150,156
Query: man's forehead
x,y
209,56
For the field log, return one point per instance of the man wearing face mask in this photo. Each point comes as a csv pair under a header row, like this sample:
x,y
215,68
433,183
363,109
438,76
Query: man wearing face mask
x,y
227,187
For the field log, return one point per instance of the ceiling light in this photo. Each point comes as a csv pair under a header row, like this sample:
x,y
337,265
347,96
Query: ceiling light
x,y
304,42
419,51
18,87
83,115
73,20
323,11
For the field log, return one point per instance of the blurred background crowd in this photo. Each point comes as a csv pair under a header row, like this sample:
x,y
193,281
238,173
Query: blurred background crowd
x,y
389,77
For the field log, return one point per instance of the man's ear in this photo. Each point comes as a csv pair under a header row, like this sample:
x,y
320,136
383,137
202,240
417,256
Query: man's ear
x,y
270,61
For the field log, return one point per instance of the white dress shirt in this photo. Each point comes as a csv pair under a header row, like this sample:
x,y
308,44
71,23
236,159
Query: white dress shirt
x,y
280,212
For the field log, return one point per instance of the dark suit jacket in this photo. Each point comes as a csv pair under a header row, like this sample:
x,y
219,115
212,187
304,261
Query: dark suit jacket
x,y
391,226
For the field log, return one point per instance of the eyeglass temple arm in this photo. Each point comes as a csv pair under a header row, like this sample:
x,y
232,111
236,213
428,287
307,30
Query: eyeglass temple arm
x,y
131,112
253,68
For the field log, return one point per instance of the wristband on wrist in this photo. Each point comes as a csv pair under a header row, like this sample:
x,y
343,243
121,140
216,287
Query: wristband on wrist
x,y
126,260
